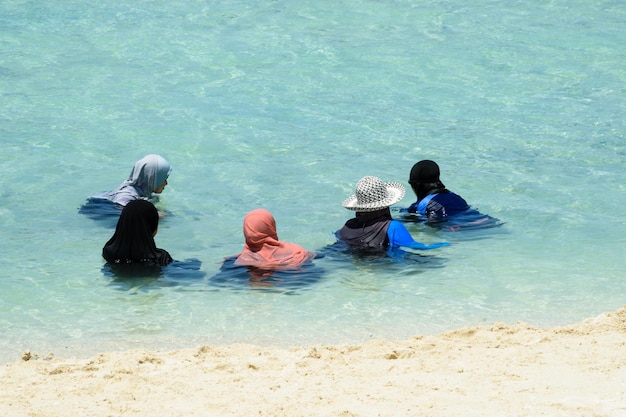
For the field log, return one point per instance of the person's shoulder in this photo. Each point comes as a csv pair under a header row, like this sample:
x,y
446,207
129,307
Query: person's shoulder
x,y
449,196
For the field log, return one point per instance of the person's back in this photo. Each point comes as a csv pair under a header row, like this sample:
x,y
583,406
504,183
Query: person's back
x,y
133,240
262,248
367,230
438,206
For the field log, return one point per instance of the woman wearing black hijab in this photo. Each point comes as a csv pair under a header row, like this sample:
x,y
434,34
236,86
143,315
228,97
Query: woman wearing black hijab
x,y
436,204
434,201
133,240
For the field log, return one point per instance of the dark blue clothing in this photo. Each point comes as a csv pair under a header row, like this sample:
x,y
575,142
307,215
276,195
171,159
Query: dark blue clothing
x,y
436,207
151,275
101,209
449,211
238,277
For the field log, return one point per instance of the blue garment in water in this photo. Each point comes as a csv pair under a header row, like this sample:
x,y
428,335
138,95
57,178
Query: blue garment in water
x,y
152,276
238,277
439,206
399,236
101,209
449,211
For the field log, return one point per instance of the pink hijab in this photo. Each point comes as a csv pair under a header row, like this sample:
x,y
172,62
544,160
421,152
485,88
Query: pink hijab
x,y
262,248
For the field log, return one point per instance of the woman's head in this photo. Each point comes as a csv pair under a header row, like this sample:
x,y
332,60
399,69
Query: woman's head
x,y
133,240
140,216
424,171
259,227
150,174
424,178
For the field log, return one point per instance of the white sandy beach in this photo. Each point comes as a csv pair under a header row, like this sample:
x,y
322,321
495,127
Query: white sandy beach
x,y
499,370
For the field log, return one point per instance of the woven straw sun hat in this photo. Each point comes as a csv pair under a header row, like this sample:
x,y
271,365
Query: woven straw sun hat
x,y
372,194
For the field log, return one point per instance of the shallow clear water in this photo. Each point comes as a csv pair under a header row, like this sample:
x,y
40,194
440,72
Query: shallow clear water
x,y
286,105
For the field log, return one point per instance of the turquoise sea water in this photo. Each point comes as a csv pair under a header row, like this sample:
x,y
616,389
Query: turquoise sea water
x,y
285,105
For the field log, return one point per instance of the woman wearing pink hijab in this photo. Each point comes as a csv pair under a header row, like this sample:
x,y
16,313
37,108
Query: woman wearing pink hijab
x,y
263,250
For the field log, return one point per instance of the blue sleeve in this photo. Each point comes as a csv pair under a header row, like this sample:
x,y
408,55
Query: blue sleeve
x,y
399,236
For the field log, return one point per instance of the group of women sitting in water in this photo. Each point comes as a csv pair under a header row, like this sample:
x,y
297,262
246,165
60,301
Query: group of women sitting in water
x,y
372,228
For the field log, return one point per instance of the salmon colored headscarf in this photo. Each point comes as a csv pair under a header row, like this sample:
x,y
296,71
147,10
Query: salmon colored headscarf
x,y
262,248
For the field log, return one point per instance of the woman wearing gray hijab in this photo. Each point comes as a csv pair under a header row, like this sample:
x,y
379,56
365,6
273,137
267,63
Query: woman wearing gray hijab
x,y
148,176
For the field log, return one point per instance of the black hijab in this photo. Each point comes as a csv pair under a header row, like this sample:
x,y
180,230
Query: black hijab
x,y
133,240
424,179
367,229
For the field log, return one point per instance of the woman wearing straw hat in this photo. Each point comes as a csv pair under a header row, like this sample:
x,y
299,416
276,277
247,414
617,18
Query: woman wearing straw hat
x,y
373,227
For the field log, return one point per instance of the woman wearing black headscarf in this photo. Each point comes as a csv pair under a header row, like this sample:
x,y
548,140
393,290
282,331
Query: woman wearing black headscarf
x,y
133,240
436,204
434,200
